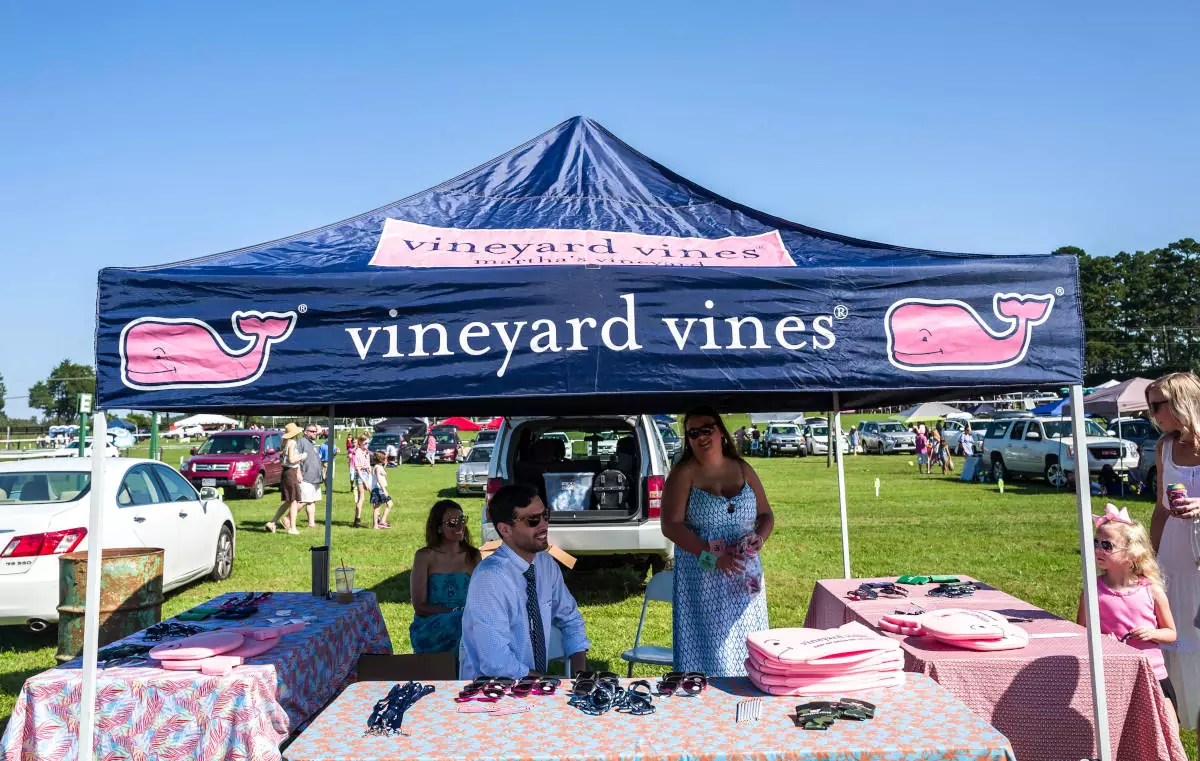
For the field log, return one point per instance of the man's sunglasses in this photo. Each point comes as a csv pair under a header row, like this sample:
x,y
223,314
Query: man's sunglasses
x,y
455,522
704,430
532,521
1104,544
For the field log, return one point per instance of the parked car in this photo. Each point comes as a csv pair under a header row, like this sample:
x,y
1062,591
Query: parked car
x,y
619,515
671,440
146,503
485,436
1133,429
1043,446
183,433
473,471
952,431
566,440
886,437
1147,467
784,438
816,440
449,447
244,460
381,441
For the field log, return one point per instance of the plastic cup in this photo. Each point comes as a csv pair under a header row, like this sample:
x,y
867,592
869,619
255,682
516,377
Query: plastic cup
x,y
344,580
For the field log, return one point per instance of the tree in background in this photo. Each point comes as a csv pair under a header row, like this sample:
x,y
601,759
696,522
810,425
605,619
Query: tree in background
x,y
141,421
1141,311
3,393
56,396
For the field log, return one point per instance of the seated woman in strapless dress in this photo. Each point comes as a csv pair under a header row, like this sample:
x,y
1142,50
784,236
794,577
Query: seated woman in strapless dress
x,y
440,575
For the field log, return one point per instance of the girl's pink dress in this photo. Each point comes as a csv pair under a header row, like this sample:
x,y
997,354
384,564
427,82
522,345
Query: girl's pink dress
x,y
1122,611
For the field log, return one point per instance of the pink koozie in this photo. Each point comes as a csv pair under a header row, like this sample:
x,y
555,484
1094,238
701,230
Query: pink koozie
x,y
197,646
849,643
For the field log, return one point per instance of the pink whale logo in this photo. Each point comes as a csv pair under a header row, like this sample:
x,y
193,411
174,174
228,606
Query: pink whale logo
x,y
163,352
924,334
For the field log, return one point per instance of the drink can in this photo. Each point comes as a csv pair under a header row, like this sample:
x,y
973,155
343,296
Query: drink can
x,y
1176,492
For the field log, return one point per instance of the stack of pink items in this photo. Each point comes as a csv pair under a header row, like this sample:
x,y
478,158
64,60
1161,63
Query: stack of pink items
x,y
216,653
959,627
817,661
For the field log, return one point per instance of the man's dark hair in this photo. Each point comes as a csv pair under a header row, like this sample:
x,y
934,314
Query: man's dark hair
x,y
508,500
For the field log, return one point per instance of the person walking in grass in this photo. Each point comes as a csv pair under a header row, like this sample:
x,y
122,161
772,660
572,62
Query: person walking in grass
x,y
379,492
360,466
922,451
431,448
289,484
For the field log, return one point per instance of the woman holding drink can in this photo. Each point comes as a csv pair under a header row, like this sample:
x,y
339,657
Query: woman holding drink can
x,y
1173,402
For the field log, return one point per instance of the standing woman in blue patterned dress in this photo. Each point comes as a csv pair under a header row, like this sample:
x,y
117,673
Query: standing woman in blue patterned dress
x,y
716,513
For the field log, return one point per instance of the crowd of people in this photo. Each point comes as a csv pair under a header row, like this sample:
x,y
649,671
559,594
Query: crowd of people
x,y
500,607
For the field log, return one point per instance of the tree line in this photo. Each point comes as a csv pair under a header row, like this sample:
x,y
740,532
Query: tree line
x,y
1141,314
1141,311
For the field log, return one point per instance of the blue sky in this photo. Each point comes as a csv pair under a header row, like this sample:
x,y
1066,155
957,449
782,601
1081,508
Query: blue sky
x,y
142,133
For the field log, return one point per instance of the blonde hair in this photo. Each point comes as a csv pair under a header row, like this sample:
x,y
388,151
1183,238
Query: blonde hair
x,y
363,438
1182,392
1137,544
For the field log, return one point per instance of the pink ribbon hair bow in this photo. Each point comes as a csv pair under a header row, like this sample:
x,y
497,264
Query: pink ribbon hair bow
x,y
1112,514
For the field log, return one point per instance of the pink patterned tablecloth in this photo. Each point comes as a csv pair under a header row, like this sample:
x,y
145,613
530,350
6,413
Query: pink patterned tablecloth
x,y
150,713
1040,696
916,721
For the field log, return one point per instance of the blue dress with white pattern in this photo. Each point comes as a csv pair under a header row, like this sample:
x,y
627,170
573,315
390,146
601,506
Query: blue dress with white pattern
x,y
713,613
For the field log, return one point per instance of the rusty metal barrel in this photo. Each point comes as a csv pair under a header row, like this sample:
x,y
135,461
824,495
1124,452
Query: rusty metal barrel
x,y
131,596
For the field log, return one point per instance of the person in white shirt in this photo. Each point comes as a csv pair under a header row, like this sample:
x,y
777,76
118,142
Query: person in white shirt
x,y
391,455
517,594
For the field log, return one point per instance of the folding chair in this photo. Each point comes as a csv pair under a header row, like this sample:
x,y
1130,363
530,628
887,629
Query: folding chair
x,y
661,588
402,668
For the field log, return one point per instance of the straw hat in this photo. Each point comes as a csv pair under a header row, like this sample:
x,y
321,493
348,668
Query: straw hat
x,y
291,431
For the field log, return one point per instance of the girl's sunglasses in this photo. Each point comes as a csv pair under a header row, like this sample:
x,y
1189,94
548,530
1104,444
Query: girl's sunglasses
x,y
1104,544
704,430
682,683
532,521
455,522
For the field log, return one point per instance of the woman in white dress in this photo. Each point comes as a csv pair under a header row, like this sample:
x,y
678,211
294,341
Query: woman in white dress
x,y
1174,407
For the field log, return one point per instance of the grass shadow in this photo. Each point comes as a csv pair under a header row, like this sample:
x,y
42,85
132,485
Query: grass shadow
x,y
395,588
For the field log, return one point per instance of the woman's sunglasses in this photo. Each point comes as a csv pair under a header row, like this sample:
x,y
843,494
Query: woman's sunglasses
x,y
546,685
455,522
1104,544
704,430
682,683
486,689
532,521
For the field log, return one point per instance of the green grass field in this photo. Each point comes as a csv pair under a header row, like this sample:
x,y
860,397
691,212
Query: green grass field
x,y
1023,541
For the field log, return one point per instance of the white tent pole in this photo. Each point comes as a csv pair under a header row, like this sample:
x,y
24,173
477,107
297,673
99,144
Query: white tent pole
x,y
837,441
1083,497
329,447
91,605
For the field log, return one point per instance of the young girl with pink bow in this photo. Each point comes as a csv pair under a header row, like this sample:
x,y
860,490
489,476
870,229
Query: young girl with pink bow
x,y
1129,590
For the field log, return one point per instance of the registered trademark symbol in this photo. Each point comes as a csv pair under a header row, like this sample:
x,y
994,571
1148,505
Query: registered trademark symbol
x,y
840,312
302,308
1059,291
393,313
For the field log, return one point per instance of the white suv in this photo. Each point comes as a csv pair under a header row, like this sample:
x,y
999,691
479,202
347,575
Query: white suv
x,y
605,496
1043,446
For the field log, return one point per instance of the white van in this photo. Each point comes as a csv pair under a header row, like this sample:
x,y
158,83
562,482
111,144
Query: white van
x,y
604,494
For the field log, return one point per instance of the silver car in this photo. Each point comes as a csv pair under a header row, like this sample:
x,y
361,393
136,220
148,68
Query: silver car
x,y
473,471
886,437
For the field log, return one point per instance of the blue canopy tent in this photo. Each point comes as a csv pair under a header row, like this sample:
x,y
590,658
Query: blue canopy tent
x,y
573,274
1056,407
119,423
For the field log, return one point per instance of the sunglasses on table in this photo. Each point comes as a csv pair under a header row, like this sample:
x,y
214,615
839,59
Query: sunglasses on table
x,y
1104,544
682,683
532,521
586,682
704,430
486,689
871,590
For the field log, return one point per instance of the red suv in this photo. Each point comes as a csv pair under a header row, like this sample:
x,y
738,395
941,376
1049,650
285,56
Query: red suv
x,y
246,460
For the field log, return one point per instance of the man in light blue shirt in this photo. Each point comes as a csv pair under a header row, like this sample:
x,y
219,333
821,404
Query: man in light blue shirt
x,y
517,594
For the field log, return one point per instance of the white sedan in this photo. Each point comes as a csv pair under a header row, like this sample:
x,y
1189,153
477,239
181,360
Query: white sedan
x,y
44,510
816,440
